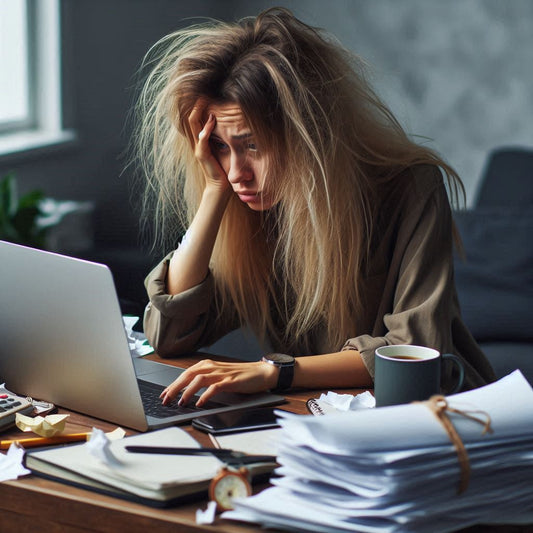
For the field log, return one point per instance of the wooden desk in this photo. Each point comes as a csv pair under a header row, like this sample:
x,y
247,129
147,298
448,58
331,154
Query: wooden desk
x,y
32,504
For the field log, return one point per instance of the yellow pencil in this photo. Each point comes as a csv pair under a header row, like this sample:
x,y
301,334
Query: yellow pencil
x,y
45,441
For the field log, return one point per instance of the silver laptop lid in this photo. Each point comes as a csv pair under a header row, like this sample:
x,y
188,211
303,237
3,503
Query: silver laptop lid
x,y
62,338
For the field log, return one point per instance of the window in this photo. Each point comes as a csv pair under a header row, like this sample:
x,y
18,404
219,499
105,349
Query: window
x,y
14,67
30,76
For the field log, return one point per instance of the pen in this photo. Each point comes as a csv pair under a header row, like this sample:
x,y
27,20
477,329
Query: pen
x,y
45,441
223,454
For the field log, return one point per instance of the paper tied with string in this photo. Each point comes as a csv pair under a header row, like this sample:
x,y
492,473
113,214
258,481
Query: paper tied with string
x,y
395,468
439,406
44,426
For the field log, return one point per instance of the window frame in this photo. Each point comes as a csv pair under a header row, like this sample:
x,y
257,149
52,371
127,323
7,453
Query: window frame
x,y
42,129
9,126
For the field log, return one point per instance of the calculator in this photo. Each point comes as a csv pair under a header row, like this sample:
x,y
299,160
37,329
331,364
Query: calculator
x,y
10,405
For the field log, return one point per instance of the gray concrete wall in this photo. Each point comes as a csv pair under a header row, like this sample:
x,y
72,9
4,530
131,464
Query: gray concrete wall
x,y
459,72
456,71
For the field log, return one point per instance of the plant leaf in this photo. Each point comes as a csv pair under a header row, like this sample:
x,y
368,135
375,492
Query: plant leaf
x,y
30,199
8,196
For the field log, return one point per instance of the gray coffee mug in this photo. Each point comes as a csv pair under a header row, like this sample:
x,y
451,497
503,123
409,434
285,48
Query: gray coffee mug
x,y
405,373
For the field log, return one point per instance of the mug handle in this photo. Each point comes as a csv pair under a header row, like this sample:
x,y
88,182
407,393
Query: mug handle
x,y
459,364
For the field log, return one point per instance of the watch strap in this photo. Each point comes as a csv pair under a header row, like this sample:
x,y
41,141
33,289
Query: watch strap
x,y
285,365
285,377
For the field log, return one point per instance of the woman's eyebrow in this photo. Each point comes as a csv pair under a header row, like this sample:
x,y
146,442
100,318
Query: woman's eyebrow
x,y
238,137
242,136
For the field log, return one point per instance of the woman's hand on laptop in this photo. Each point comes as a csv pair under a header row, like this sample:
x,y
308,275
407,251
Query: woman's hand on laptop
x,y
220,377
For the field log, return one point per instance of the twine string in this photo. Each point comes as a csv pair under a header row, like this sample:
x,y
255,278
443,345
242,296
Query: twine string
x,y
438,405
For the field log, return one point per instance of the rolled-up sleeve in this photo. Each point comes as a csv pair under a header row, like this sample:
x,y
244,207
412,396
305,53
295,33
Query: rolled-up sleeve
x,y
175,324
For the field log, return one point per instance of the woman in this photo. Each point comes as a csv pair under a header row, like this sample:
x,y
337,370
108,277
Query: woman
x,y
312,218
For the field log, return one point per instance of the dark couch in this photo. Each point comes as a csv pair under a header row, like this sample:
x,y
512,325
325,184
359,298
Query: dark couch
x,y
495,277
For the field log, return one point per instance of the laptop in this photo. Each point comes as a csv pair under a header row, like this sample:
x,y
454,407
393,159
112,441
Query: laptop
x,y
63,340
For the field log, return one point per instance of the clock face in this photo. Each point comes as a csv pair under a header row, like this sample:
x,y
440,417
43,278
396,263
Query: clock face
x,y
230,486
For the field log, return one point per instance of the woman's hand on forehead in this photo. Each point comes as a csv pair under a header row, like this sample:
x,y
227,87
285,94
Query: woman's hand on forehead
x,y
201,130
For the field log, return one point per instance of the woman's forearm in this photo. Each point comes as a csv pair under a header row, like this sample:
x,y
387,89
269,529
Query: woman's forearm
x,y
190,263
335,370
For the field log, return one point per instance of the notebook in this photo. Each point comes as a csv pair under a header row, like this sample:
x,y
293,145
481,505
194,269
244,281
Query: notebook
x,y
152,479
62,339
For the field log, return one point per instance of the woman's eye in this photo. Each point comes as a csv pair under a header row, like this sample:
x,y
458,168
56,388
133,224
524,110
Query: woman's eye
x,y
218,146
252,147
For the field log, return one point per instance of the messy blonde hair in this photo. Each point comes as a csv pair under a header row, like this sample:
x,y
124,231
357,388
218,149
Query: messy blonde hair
x,y
329,141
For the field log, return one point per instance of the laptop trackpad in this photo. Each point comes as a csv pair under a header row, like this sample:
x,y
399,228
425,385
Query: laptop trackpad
x,y
159,373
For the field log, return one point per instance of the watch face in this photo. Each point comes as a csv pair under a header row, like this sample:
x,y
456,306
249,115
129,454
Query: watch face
x,y
228,487
280,358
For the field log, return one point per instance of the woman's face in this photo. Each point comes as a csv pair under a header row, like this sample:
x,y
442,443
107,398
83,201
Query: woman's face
x,y
234,146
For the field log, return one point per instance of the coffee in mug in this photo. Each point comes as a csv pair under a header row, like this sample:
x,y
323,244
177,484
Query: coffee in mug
x,y
405,357
407,373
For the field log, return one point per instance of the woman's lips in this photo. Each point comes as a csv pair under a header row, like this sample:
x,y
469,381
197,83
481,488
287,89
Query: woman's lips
x,y
248,197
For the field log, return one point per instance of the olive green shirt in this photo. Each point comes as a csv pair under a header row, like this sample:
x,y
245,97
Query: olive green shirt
x,y
408,293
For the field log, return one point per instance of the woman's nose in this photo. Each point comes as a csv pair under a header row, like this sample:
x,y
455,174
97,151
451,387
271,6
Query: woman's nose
x,y
239,170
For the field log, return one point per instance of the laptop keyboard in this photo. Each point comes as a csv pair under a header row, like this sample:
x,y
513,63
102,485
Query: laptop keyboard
x,y
150,393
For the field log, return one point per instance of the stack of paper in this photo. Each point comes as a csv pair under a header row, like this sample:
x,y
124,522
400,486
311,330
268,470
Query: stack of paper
x,y
395,469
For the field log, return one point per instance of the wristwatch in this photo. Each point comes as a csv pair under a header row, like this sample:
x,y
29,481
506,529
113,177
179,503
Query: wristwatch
x,y
285,364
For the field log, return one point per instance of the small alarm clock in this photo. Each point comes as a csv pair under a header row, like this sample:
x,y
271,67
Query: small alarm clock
x,y
228,484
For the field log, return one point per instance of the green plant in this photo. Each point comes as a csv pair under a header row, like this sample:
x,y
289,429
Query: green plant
x,y
18,216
